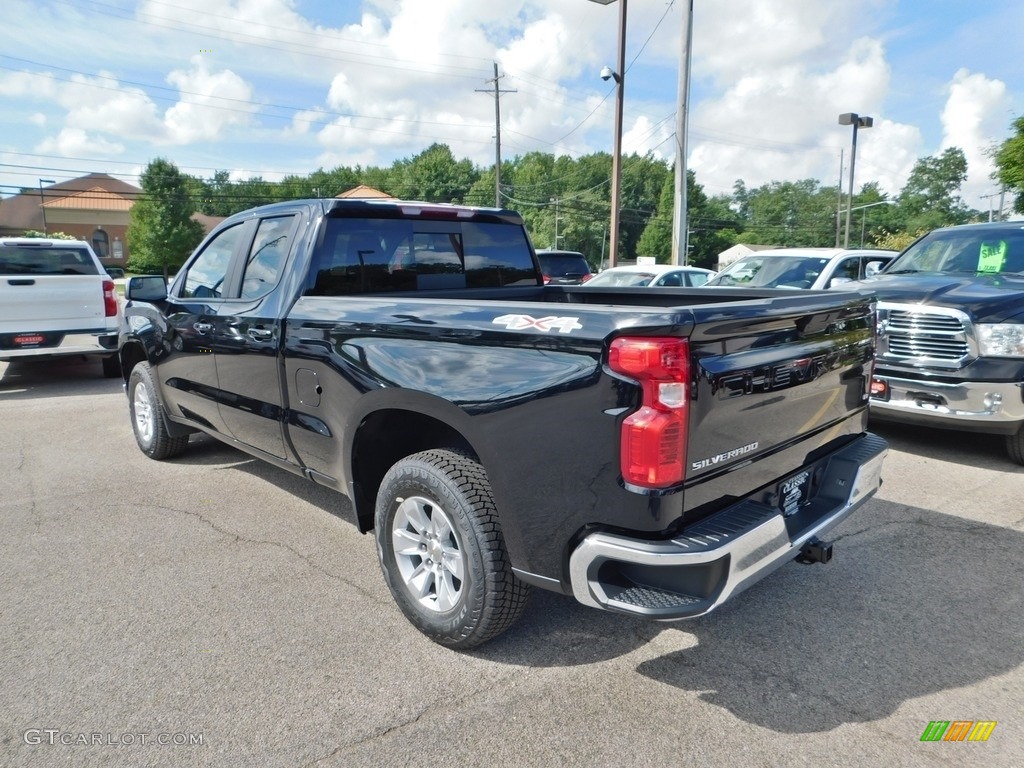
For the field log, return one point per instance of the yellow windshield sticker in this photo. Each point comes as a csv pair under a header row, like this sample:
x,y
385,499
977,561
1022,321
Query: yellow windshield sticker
x,y
992,256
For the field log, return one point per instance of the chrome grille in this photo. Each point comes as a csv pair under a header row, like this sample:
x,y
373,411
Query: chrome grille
x,y
923,336
919,322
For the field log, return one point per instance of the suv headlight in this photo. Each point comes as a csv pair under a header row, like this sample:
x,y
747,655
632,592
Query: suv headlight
x,y
1001,339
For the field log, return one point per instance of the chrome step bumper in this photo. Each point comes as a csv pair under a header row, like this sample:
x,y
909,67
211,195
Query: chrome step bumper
x,y
698,570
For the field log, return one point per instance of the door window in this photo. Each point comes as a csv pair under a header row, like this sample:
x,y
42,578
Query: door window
x,y
266,257
847,268
207,273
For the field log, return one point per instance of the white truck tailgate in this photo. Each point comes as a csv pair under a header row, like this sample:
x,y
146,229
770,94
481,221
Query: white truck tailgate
x,y
51,302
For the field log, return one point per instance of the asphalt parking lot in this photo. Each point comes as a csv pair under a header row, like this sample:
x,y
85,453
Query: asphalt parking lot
x,y
214,610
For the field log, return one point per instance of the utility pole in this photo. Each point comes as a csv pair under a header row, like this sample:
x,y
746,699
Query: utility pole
x,y
497,131
555,201
989,198
680,231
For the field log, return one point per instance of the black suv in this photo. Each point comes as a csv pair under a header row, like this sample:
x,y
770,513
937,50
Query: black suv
x,y
563,267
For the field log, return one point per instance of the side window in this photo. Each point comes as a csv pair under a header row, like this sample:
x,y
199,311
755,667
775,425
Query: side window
x,y
267,255
697,278
847,268
671,279
206,275
497,255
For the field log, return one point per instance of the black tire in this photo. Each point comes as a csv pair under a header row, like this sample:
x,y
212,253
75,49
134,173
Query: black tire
x,y
147,417
439,504
1015,445
111,367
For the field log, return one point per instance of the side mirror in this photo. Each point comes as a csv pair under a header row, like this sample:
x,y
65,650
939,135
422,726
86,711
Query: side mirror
x,y
838,281
872,268
146,288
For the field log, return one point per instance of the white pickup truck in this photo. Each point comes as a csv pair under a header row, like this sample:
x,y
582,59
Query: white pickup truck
x,y
56,300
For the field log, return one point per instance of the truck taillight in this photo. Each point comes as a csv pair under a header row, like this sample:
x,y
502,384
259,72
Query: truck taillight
x,y
653,439
109,299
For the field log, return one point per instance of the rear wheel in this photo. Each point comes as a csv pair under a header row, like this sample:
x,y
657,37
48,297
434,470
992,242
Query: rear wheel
x,y
1015,445
442,551
147,414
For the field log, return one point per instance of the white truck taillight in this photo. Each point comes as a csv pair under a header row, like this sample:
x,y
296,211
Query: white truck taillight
x,y
653,440
109,299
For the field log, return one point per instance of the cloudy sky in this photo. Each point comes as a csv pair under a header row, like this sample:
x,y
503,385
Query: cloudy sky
x,y
272,87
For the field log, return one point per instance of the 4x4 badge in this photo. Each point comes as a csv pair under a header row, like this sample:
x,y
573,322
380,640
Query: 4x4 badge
x,y
544,324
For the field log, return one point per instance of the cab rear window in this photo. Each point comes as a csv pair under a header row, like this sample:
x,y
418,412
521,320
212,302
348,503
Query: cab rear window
x,y
356,255
28,260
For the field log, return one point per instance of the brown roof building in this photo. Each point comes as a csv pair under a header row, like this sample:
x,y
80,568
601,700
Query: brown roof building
x,y
94,208
363,192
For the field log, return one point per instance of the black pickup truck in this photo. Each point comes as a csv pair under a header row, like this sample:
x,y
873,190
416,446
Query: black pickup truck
x,y
951,333
651,452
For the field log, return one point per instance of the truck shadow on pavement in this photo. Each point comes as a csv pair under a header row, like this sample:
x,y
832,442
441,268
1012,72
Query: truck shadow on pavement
x,y
38,379
204,450
917,603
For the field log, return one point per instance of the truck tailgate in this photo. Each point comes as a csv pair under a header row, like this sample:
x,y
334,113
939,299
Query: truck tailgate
x,y
768,379
51,302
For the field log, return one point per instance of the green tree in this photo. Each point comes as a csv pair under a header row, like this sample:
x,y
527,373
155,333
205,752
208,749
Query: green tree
x,y
656,239
711,223
161,232
1009,160
435,176
714,227
931,196
788,214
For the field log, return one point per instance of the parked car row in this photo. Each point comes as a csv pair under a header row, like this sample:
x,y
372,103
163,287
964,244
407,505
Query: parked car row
x,y
950,319
812,268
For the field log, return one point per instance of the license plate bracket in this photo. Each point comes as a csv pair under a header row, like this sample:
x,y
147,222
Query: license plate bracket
x,y
29,339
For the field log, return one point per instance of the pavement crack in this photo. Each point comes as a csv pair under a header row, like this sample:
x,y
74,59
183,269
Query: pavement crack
x,y
238,538
413,719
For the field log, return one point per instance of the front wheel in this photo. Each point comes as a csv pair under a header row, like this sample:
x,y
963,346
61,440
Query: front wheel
x,y
442,551
1015,445
147,416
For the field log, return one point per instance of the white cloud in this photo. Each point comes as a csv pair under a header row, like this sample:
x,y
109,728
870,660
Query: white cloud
x,y
788,127
973,119
210,103
75,142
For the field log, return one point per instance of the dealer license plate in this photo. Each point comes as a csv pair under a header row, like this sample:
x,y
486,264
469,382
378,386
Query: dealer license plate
x,y
794,492
28,340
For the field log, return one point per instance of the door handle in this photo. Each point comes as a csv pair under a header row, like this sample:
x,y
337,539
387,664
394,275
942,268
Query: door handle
x,y
261,334
203,328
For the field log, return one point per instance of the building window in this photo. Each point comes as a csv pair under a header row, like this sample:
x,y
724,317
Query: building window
x,y
101,243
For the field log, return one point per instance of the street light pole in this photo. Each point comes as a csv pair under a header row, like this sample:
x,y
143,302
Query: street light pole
x,y
42,202
620,75
857,121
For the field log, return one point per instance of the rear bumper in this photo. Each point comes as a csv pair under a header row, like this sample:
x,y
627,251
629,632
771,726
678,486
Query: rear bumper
x,y
981,406
74,343
708,563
